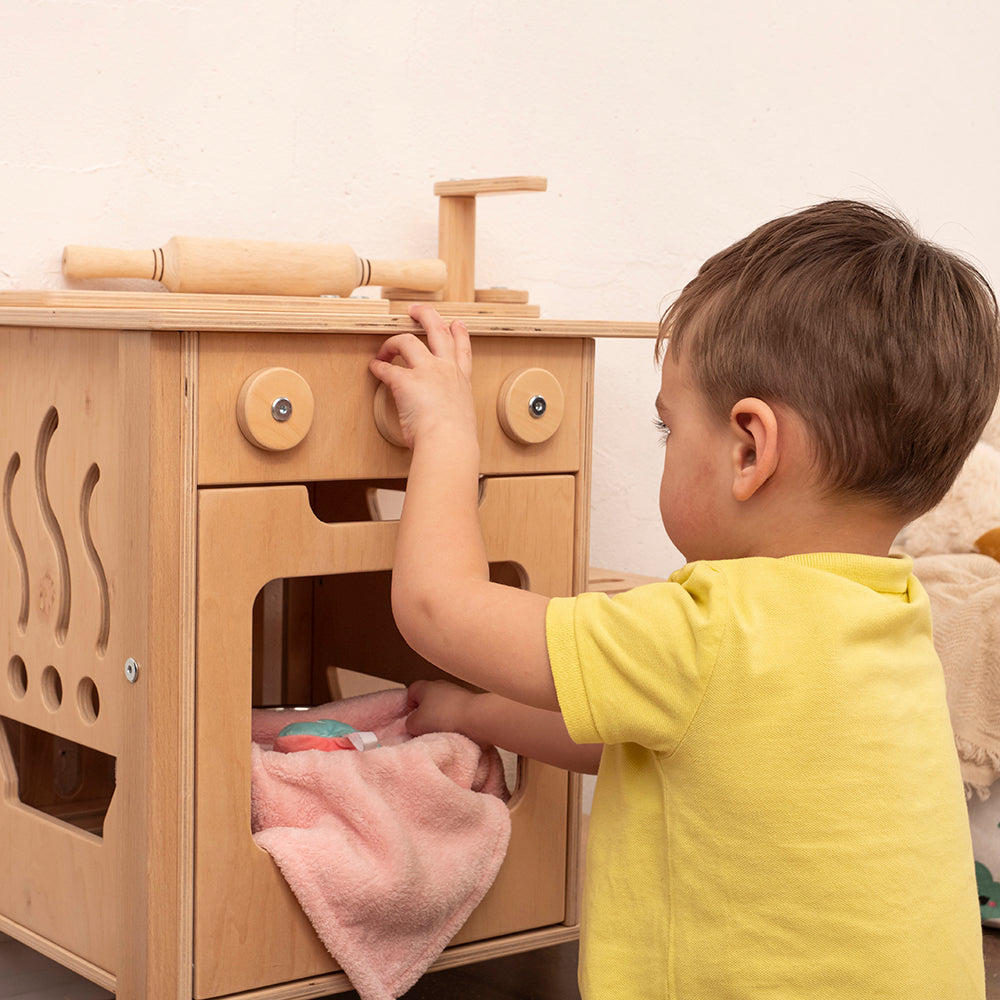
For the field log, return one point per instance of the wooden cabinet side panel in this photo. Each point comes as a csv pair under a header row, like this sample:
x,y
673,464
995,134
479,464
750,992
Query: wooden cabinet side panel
x,y
65,615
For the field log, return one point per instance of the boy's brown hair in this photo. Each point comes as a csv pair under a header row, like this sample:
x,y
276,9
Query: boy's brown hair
x,y
887,345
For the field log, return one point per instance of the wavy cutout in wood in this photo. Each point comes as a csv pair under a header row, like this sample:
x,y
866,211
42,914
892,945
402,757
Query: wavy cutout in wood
x,y
94,557
48,428
15,541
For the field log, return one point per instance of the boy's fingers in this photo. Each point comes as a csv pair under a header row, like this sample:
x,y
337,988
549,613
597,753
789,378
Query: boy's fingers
x,y
424,314
463,347
412,700
382,370
444,341
438,337
403,345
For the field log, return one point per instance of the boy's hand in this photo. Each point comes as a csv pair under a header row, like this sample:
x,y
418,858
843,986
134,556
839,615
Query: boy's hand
x,y
436,707
432,391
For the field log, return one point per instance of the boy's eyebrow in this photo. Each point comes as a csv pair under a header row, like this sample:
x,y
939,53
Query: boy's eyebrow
x,y
659,404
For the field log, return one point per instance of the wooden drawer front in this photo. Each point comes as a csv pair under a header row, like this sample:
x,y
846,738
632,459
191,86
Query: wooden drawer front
x,y
342,440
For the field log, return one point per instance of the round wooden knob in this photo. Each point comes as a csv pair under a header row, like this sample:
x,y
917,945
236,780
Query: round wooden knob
x,y
275,409
387,417
530,405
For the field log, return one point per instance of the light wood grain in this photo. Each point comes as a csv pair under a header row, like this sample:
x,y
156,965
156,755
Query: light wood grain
x,y
170,313
457,228
457,246
511,296
490,185
62,427
105,299
530,405
344,441
251,267
234,949
111,417
274,409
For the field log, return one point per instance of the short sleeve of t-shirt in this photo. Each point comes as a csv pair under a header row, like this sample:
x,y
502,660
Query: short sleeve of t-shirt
x,y
633,668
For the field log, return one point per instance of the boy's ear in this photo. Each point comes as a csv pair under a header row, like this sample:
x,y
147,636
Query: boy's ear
x,y
755,453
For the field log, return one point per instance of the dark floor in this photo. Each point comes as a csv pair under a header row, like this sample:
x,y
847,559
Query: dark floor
x,y
991,953
546,974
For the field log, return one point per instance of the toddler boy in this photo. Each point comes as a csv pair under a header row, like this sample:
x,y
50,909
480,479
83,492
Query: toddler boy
x,y
778,810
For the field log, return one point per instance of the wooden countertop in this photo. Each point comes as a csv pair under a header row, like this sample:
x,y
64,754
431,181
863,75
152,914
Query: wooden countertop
x,y
242,313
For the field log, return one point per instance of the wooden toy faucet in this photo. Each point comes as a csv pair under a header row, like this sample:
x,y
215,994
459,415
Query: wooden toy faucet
x,y
457,227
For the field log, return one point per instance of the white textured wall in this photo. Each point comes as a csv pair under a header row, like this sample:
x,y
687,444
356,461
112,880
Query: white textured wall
x,y
666,129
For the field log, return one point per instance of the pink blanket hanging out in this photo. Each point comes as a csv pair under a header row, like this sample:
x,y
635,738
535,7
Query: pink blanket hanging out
x,y
387,851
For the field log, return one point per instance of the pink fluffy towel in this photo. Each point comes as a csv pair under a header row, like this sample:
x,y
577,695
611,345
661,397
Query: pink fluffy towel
x,y
389,850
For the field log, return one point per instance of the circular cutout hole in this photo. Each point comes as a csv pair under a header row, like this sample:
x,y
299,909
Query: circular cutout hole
x,y
52,691
88,701
17,677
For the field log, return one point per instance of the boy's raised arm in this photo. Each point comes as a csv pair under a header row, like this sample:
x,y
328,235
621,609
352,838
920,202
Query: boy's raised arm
x,y
443,601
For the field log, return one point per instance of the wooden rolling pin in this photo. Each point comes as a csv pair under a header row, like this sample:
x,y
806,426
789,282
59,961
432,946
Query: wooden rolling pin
x,y
253,267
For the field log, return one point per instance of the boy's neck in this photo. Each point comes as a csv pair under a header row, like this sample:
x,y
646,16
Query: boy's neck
x,y
821,525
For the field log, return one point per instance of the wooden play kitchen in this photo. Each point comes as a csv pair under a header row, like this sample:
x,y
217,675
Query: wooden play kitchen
x,y
197,503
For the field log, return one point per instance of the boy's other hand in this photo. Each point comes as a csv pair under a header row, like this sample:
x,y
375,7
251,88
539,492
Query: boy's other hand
x,y
432,389
436,707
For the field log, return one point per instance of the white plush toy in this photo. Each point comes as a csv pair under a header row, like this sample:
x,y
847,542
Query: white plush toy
x,y
968,518
956,556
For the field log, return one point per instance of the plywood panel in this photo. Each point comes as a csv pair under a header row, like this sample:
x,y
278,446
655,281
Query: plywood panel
x,y
235,880
343,441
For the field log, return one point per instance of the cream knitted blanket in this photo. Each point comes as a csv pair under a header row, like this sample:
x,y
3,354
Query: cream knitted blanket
x,y
964,591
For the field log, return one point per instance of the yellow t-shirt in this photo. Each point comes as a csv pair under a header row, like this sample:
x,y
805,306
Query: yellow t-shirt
x,y
779,811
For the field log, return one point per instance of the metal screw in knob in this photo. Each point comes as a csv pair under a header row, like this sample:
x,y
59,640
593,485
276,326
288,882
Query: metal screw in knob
x,y
131,670
536,406
281,409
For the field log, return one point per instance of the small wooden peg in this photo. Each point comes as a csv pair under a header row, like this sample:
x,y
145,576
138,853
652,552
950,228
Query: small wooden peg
x,y
504,296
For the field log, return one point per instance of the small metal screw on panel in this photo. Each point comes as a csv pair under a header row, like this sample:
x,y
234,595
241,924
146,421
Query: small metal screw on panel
x,y
131,670
536,406
281,409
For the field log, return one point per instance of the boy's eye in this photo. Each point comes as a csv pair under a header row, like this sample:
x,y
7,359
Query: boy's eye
x,y
662,428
